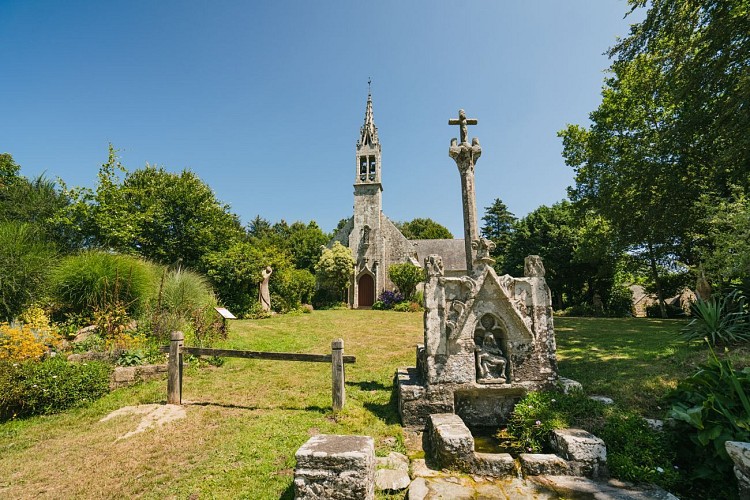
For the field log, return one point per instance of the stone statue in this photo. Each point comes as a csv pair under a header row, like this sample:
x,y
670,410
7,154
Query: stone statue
x,y
433,264
533,267
264,296
490,361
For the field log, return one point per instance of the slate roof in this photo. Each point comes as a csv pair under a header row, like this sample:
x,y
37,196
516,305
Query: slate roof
x,y
452,252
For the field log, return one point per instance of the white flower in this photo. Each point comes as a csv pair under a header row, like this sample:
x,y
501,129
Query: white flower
x,y
15,364
554,400
54,376
659,470
34,385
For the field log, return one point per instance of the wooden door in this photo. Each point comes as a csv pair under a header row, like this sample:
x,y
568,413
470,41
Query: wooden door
x,y
366,295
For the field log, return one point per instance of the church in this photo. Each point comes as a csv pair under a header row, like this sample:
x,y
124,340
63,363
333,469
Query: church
x,y
375,242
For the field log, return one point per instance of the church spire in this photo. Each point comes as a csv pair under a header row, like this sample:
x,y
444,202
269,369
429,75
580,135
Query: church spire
x,y
368,134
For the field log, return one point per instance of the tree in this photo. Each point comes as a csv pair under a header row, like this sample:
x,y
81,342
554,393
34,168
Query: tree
x,y
498,227
671,130
335,267
727,253
424,229
580,260
406,276
173,219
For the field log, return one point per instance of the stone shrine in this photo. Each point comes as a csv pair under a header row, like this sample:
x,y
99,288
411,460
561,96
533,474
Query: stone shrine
x,y
488,339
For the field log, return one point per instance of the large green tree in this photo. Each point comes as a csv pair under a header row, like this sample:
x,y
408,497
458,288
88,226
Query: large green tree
x,y
671,130
424,229
498,227
171,218
576,246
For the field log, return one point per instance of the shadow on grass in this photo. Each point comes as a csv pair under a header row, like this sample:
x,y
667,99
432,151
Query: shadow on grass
x,y
316,409
288,493
370,385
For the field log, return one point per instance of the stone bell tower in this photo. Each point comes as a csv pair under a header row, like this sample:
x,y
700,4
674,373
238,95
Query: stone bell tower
x,y
366,237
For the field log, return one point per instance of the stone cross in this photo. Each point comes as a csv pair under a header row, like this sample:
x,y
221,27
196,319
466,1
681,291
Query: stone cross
x,y
462,122
466,156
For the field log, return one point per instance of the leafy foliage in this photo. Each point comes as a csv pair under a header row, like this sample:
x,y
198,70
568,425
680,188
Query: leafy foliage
x,y
165,217
711,407
406,276
335,268
53,385
424,229
719,320
635,452
580,259
25,261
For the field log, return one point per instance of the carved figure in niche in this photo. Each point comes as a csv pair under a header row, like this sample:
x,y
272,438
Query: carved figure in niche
x,y
264,296
366,235
491,361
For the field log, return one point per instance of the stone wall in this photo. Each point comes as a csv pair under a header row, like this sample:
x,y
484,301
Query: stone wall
x,y
123,376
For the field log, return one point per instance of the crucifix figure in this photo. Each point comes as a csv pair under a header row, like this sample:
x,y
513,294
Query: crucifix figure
x,y
462,121
466,155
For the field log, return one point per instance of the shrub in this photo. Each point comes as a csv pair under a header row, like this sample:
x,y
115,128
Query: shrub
x,y
719,320
406,276
389,299
22,342
379,305
99,280
634,451
407,307
620,303
25,261
35,388
710,408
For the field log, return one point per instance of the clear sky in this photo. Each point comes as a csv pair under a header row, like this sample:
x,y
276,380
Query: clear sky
x,y
264,100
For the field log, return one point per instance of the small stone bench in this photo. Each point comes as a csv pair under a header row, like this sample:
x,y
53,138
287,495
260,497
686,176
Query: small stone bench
x,y
335,467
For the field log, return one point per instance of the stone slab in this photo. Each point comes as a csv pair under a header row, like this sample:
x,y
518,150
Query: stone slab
x,y
538,464
335,467
391,480
494,464
579,445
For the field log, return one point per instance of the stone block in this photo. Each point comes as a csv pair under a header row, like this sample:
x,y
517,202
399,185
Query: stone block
x,y
537,464
569,385
739,452
335,467
450,442
587,453
390,480
603,399
494,464
124,374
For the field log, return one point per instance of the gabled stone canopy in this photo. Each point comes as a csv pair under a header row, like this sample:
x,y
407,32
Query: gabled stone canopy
x,y
488,339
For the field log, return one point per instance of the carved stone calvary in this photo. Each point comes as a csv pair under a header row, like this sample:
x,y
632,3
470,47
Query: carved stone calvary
x,y
466,157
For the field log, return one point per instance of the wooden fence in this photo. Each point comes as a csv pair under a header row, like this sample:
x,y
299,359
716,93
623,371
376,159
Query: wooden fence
x,y
176,349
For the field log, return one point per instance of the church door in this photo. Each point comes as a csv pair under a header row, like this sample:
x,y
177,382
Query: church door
x,y
366,295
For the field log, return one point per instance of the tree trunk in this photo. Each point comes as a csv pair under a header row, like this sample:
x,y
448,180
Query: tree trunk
x,y
657,281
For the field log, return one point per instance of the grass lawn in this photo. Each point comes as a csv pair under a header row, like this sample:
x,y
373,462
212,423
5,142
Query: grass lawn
x,y
246,419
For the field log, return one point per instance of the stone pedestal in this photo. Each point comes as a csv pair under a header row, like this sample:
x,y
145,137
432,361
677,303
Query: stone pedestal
x,y
335,467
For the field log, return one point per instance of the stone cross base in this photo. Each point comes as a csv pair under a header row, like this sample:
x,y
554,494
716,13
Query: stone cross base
x,y
335,467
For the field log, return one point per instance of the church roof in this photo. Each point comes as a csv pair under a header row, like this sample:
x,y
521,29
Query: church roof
x,y
452,252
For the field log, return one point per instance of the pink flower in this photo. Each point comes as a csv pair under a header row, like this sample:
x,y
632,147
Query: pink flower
x,y
538,422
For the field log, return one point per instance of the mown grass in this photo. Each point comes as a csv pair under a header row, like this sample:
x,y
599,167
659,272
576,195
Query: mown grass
x,y
246,419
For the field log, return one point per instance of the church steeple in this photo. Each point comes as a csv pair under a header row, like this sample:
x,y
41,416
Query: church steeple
x,y
368,147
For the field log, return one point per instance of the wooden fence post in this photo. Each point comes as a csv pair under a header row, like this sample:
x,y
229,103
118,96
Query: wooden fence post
x,y
174,373
337,373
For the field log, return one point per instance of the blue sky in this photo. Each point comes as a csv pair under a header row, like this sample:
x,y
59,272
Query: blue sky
x,y
264,100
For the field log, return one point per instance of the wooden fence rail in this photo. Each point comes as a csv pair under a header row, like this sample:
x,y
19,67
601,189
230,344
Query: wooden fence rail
x,y
176,349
